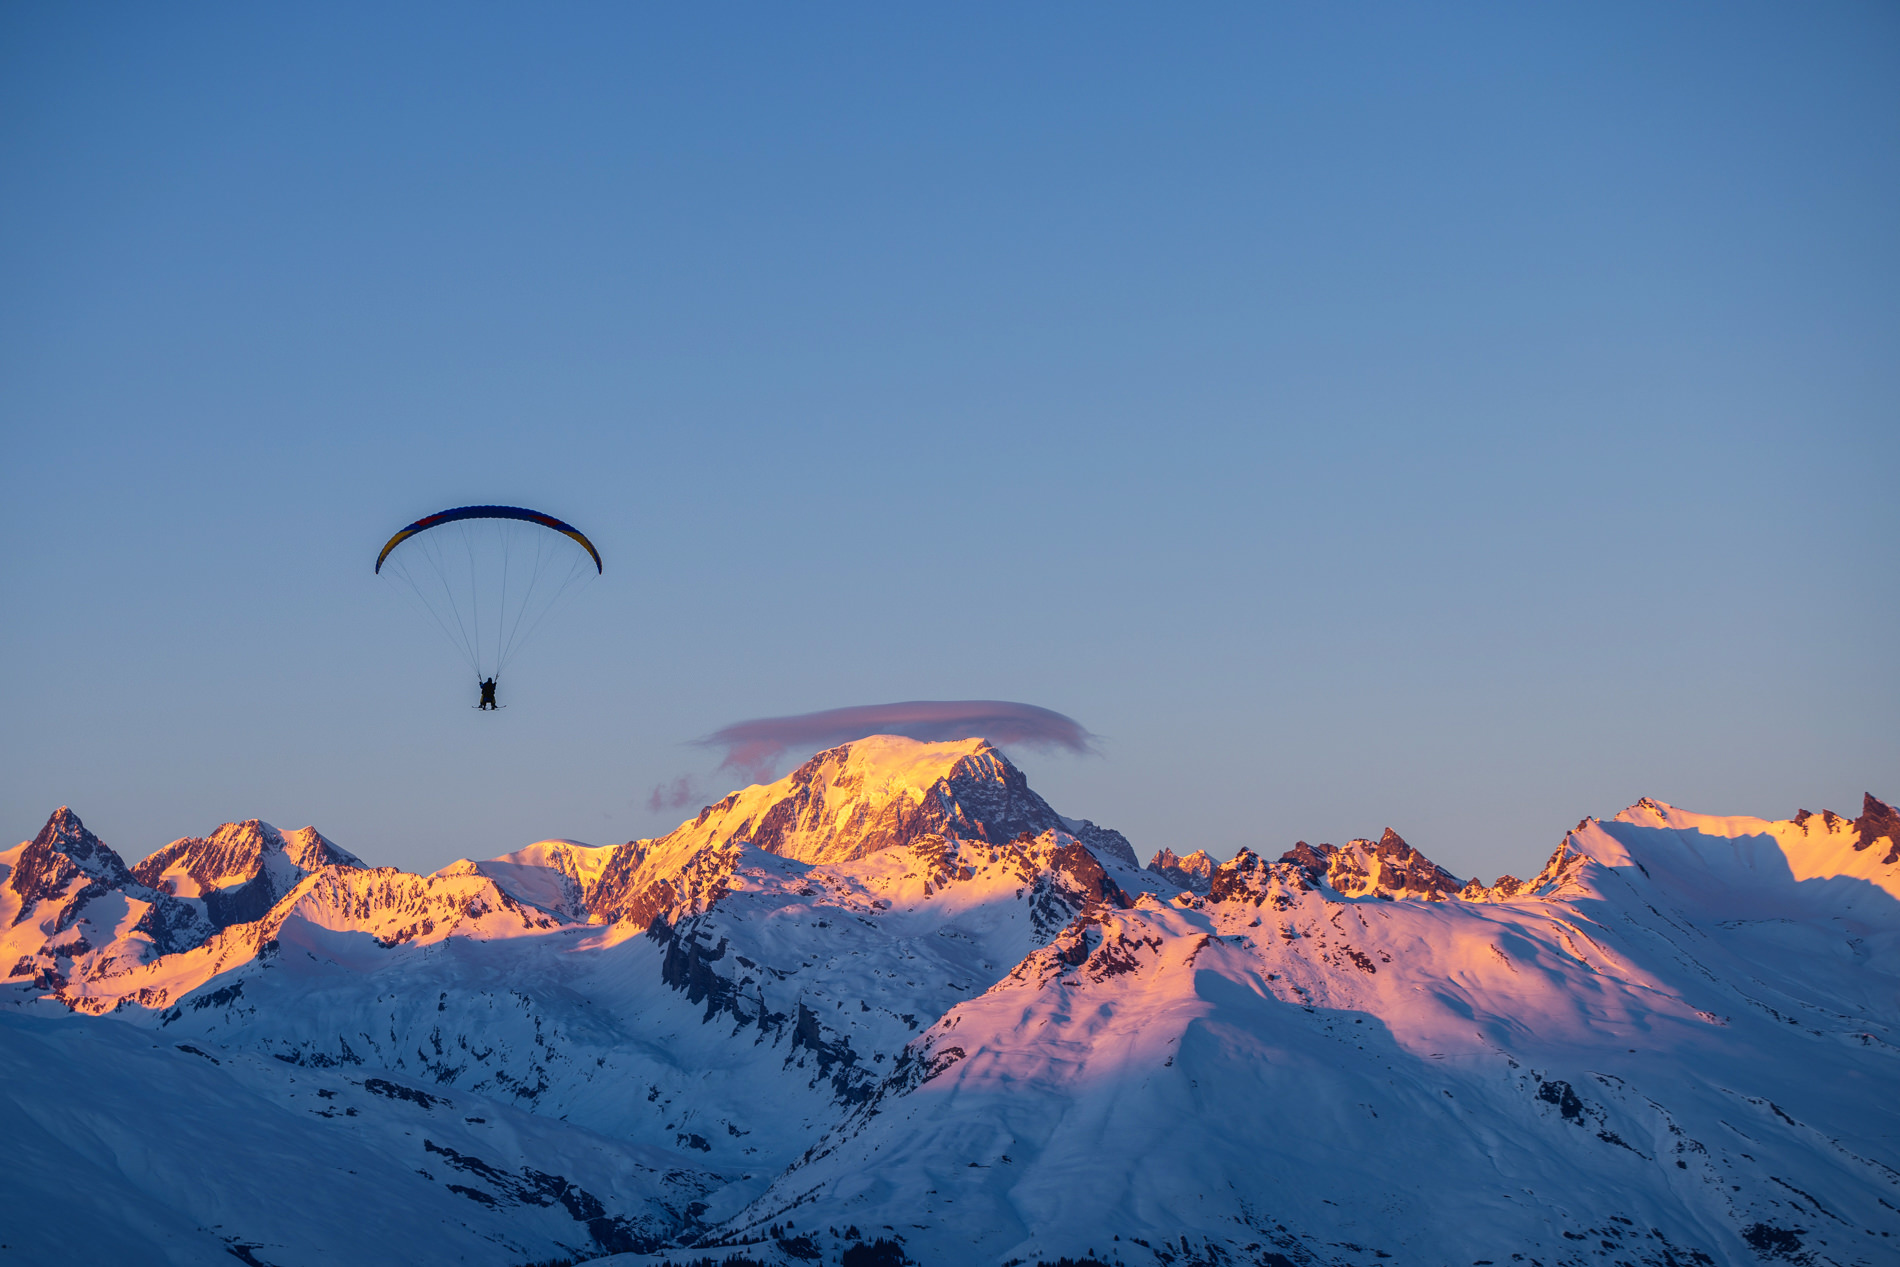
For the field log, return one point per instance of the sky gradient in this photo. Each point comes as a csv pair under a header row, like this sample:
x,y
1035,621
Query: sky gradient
x,y
1459,420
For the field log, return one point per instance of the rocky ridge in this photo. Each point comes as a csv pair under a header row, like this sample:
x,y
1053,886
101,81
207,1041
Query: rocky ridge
x,y
926,1040
70,909
240,871
1193,872
843,804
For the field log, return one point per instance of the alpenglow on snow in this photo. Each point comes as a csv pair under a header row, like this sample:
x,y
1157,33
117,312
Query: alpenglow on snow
x,y
895,996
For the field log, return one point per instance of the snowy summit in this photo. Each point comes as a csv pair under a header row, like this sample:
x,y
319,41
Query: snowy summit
x,y
896,997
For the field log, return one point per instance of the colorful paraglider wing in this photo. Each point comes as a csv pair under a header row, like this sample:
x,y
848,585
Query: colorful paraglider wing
x,y
489,512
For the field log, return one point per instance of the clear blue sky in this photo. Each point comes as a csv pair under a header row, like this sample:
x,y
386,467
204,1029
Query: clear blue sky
x,y
1461,419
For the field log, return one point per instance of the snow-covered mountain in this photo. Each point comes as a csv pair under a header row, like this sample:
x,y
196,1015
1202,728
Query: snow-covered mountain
x,y
895,996
69,908
843,804
1194,872
1664,1050
240,871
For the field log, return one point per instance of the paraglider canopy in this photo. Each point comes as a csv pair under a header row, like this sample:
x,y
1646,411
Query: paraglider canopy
x,y
489,512
489,575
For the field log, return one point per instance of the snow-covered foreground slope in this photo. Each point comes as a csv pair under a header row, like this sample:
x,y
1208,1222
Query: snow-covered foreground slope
x,y
123,1146
894,995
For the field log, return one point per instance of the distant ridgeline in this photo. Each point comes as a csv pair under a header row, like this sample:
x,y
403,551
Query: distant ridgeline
x,y
893,1008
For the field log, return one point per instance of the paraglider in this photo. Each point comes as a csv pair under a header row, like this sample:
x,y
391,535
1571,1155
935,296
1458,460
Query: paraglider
x,y
489,575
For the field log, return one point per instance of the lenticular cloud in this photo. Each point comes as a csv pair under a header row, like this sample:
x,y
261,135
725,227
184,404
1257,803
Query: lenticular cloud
x,y
755,747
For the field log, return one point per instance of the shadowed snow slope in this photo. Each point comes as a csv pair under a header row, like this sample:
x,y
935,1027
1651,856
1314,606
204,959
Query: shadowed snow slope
x,y
127,1147
894,995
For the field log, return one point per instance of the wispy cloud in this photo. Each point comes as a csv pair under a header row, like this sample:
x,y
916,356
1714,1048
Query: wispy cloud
x,y
754,748
680,792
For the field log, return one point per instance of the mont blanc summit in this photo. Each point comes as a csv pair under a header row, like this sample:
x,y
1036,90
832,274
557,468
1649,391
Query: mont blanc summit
x,y
895,1008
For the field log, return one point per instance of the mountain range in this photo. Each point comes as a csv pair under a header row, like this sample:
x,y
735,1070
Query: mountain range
x,y
894,1008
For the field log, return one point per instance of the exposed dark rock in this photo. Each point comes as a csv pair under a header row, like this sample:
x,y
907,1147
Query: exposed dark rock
x,y
613,1234
625,893
243,849
1560,1094
396,1091
877,1253
827,815
1193,873
808,1034
1313,863
63,853
1878,821
688,966
1076,864
1771,1242
1559,870
983,797
1389,868
1104,841
1247,877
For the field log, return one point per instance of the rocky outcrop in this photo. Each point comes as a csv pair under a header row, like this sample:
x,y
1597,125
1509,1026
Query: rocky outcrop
x,y
71,908
871,794
1878,824
1194,872
1389,868
241,870
1104,842
846,803
1247,877
64,851
630,891
1560,869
